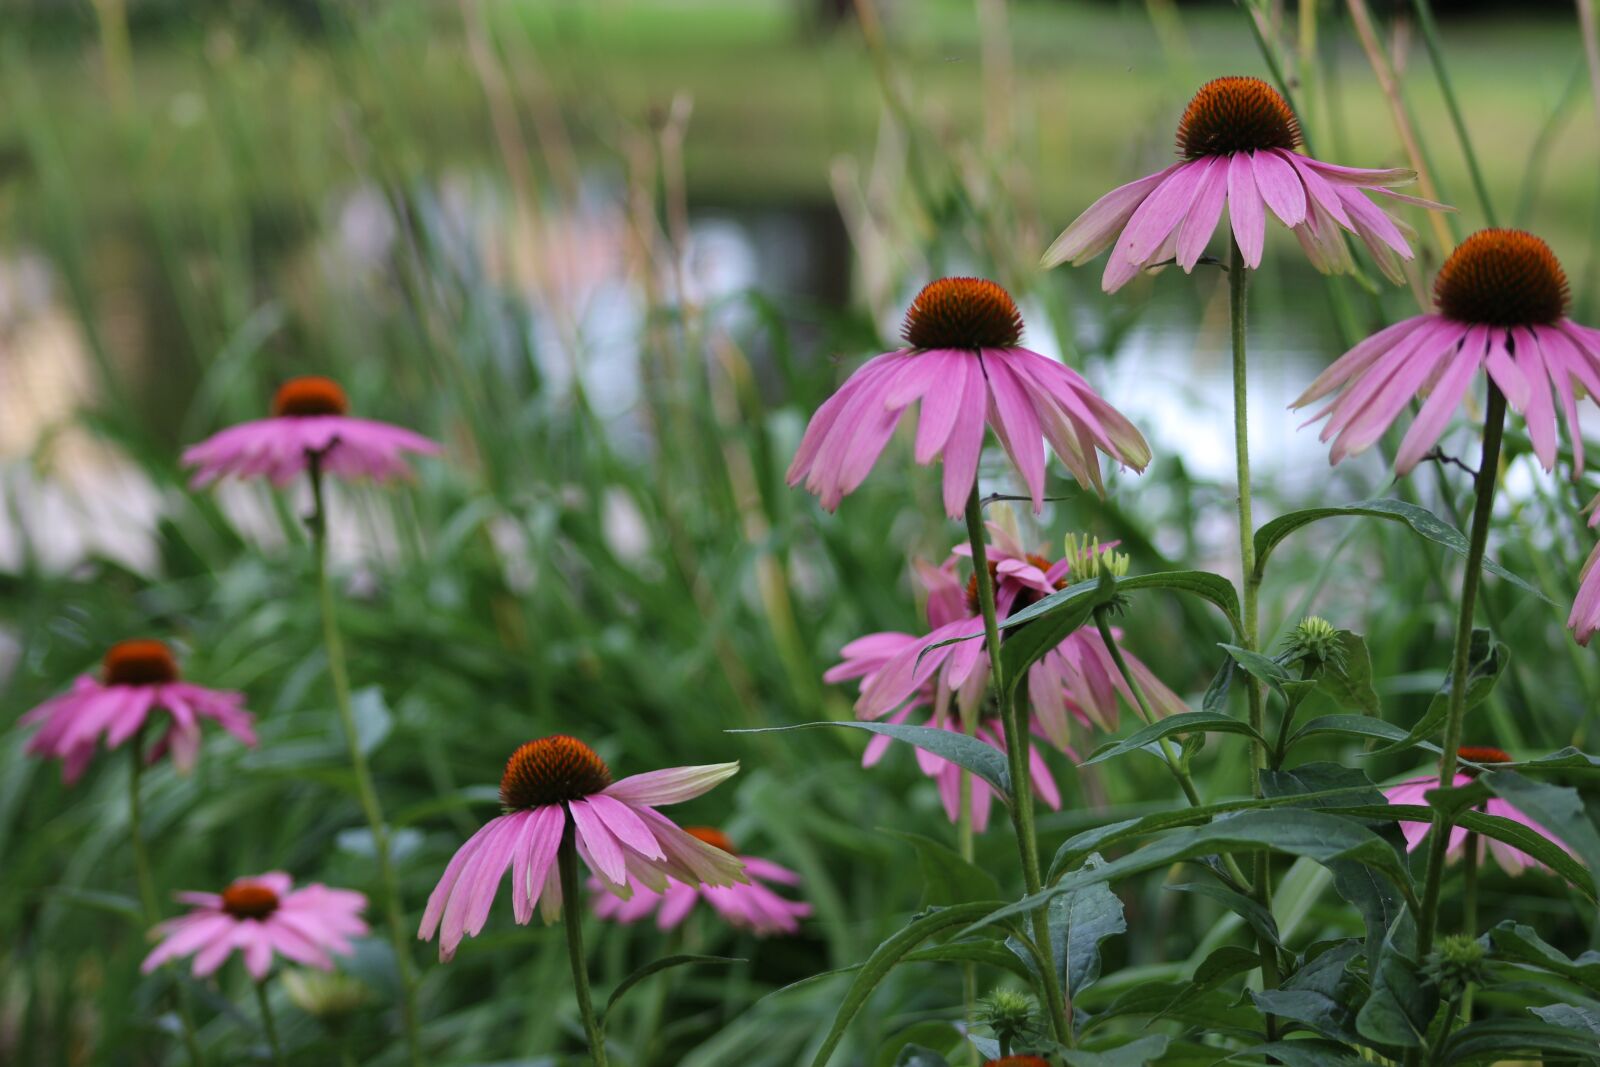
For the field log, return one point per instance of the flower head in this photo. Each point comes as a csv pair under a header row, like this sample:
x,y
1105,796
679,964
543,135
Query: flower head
x,y
556,786
1502,301
753,906
137,677
1584,618
1240,143
309,423
1415,790
1315,643
965,365
262,917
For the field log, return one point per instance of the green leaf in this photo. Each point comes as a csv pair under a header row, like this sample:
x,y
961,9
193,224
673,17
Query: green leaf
x,y
917,1056
1223,964
886,956
921,1044
1074,850
985,761
1263,669
985,952
1571,1017
1566,759
1348,726
1216,698
1348,682
1402,1003
947,877
1312,834
1515,942
654,967
1252,912
1080,921
1217,1012
1212,587
1486,659
1495,1040
1307,1052
1187,722
1557,808
1136,1053
1421,520
1321,995
1023,647
120,904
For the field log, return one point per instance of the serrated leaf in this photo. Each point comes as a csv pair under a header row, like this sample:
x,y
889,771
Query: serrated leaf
x,y
1419,519
1080,921
1572,1017
985,761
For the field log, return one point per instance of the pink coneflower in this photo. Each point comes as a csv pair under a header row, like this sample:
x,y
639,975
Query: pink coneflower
x,y
559,782
965,364
1075,680
309,421
754,906
1414,791
262,917
1584,618
137,677
1238,138
1502,304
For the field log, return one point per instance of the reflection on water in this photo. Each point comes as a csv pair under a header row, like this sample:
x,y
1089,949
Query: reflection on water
x,y
579,276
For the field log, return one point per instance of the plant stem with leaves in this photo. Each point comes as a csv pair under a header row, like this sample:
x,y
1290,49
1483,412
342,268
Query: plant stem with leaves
x,y
1016,738
572,918
370,807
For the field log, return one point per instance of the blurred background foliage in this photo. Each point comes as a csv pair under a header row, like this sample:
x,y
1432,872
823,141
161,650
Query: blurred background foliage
x,y
613,253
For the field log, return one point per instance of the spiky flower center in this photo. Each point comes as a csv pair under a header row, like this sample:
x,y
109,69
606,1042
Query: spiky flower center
x,y
713,837
1482,754
310,396
1502,278
139,662
552,770
963,313
1236,114
1026,596
249,900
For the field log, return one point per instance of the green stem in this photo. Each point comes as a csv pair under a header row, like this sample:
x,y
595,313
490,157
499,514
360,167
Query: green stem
x,y
1469,911
339,673
147,889
572,916
1430,37
268,1025
1241,882
1439,835
1238,282
1016,738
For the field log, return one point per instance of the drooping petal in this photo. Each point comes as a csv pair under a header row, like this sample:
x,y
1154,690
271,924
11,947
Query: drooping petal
x,y
671,786
1094,231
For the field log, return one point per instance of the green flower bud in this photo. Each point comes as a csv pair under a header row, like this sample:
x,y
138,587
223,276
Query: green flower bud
x,y
1315,644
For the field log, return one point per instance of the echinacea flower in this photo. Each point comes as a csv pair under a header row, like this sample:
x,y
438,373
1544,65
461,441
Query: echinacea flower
x,y
262,917
1414,791
137,678
1502,305
1077,679
1239,140
753,906
965,364
1584,618
559,782
309,422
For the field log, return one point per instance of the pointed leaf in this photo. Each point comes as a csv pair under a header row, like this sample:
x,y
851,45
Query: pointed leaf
x,y
1187,722
985,761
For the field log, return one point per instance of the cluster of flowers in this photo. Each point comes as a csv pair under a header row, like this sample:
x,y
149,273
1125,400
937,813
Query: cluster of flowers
x,y
1501,308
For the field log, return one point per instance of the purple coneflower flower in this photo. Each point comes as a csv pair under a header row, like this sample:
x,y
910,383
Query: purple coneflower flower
x,y
1239,140
1502,305
1584,618
559,784
964,363
262,917
1511,860
754,907
138,677
309,421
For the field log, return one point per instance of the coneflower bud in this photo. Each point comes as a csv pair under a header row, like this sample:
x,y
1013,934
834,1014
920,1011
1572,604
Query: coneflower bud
x,y
1090,559
1455,964
1314,644
1009,1014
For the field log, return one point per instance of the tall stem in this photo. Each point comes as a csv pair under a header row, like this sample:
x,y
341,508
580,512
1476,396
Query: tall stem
x,y
1439,835
370,807
1238,281
572,917
1016,738
268,1025
147,888
1469,909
